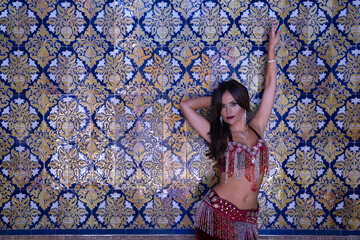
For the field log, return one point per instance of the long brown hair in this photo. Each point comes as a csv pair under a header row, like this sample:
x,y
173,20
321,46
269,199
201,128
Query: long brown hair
x,y
219,130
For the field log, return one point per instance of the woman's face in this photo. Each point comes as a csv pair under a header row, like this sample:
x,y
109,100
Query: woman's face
x,y
231,112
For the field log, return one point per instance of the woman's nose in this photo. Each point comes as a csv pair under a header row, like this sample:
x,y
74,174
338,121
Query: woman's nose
x,y
228,110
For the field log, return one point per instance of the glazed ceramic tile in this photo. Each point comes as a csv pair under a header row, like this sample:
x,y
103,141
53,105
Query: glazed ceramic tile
x,y
92,137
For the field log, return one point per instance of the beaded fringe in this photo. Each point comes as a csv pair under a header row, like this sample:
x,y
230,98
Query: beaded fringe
x,y
219,225
241,162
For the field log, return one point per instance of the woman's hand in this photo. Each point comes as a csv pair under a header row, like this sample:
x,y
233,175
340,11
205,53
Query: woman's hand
x,y
274,36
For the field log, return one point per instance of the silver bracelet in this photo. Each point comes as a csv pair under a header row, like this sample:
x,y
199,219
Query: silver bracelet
x,y
270,61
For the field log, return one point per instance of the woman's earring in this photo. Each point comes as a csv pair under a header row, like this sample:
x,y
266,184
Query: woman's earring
x,y
245,117
221,120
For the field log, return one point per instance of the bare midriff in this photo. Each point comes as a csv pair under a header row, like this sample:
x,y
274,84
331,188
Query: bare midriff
x,y
238,191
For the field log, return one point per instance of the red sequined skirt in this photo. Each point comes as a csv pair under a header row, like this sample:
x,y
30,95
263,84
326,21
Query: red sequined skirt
x,y
221,219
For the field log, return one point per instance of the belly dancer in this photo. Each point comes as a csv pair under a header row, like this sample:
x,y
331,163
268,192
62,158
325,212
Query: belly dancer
x,y
230,209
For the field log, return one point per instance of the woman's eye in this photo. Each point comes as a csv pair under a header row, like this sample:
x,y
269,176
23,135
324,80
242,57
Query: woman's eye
x,y
233,104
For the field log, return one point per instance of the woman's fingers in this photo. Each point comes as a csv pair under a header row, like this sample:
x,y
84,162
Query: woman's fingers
x,y
274,28
274,34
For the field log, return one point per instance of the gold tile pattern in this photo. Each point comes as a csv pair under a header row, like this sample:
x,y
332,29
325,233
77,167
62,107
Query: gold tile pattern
x,y
92,137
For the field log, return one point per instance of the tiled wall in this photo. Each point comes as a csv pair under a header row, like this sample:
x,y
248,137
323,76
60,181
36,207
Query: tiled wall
x,y
92,136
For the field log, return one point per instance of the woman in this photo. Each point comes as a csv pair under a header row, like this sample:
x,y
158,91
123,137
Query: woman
x,y
230,209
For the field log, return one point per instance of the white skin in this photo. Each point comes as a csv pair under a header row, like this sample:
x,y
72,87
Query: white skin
x,y
238,191
233,114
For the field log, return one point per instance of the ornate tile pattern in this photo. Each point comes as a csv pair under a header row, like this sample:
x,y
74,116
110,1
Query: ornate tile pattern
x,y
91,133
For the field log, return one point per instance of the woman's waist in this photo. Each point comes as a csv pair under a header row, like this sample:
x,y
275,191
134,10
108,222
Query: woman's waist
x,y
239,193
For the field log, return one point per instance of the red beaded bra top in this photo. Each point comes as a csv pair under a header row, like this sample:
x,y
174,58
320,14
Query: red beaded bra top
x,y
240,161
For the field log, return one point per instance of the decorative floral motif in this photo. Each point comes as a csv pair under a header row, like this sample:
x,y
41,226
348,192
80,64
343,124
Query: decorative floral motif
x,y
162,212
44,190
331,94
187,40
19,71
42,7
286,95
305,212
6,142
66,22
139,189
90,7
20,166
305,166
68,212
5,46
330,142
333,46
90,47
162,22
347,213
68,118
91,142
69,166
20,213
43,94
348,118
306,118
91,94
173,168
331,8
283,142
200,168
18,21
42,47
289,47
43,142
235,8
267,214
114,165
115,212
348,21
67,71
307,70
114,118
210,21
201,72
5,95
307,21
283,8
230,48
220,70
251,71
348,167
19,118
255,21
281,190
115,22
7,190
329,190
163,71
115,70
348,70
91,194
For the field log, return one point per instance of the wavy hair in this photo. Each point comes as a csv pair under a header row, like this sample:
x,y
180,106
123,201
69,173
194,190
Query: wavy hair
x,y
219,131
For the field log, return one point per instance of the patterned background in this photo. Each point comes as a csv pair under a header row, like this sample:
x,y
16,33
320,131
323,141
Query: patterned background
x,y
91,132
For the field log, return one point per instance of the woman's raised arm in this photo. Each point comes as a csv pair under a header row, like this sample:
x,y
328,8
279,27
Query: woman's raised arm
x,y
261,117
198,122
